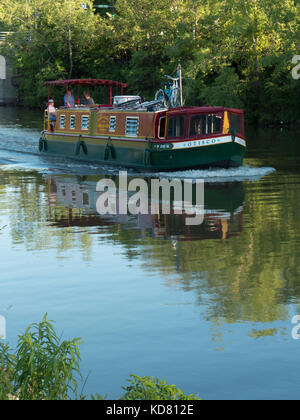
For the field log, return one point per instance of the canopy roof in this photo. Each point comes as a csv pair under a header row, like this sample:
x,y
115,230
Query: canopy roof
x,y
86,82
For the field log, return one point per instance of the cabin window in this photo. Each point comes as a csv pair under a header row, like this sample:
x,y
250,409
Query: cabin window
x,y
62,122
85,121
205,124
162,127
72,122
132,126
236,122
112,124
176,126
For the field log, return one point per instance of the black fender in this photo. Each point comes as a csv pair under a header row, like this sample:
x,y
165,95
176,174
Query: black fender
x,y
81,145
147,157
43,145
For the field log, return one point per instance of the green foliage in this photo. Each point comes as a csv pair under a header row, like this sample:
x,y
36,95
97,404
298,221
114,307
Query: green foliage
x,y
97,397
147,388
43,368
48,42
6,386
46,368
232,53
225,90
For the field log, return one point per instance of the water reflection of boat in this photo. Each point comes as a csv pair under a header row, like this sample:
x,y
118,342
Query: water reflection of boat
x,y
73,201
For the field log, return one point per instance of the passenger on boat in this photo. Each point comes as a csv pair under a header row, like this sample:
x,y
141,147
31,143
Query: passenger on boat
x,y
52,114
69,100
196,130
87,100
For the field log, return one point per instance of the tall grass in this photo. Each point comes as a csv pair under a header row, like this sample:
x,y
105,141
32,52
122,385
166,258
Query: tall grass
x,y
43,367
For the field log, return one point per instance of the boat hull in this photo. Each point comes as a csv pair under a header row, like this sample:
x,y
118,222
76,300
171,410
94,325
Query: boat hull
x,y
223,151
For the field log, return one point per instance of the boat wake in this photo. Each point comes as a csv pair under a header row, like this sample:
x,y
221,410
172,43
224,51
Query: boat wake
x,y
17,139
243,173
19,152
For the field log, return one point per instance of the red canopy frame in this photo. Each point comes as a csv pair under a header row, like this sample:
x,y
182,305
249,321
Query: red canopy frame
x,y
87,82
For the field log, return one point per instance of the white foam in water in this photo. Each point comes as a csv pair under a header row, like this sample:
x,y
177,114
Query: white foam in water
x,y
25,141
242,173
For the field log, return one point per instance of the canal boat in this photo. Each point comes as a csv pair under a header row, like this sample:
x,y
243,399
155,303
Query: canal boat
x,y
158,135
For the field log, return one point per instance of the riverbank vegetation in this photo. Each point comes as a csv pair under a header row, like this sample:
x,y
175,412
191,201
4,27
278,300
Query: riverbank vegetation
x,y
233,53
44,367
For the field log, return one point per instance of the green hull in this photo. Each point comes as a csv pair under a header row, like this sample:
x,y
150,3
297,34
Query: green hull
x,y
151,156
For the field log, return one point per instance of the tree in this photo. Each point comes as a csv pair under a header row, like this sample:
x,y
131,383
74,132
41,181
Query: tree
x,y
232,53
48,41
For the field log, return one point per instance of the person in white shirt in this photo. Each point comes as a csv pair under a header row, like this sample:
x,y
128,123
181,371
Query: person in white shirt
x,y
52,113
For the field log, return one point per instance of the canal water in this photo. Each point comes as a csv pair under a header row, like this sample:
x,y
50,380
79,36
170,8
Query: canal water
x,y
208,308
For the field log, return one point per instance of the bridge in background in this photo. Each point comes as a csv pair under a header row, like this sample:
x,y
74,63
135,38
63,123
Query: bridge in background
x,y
8,92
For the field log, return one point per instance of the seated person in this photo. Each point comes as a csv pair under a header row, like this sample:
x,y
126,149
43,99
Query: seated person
x,y
198,127
87,100
69,100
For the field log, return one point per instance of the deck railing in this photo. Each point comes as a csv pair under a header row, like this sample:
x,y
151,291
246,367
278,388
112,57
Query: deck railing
x,y
46,120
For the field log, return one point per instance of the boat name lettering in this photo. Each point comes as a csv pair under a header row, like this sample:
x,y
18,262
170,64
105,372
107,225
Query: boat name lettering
x,y
204,142
201,142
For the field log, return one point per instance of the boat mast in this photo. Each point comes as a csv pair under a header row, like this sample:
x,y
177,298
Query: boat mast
x,y
179,75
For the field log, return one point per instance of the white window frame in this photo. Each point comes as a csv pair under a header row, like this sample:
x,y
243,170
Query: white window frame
x,y
73,116
138,126
111,118
88,118
62,117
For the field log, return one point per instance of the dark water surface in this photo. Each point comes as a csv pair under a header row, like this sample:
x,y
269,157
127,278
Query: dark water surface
x,y
207,307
